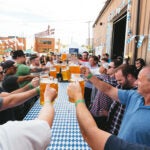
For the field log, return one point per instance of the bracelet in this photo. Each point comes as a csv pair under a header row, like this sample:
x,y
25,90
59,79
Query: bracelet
x,y
31,86
37,90
79,101
89,76
47,101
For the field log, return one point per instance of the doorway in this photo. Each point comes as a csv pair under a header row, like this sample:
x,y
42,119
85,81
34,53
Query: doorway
x,y
118,40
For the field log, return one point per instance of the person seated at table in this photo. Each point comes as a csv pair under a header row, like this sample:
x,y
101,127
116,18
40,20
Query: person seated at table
x,y
97,139
14,98
33,134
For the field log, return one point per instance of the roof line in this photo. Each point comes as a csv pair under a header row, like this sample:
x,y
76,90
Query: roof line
x,y
101,12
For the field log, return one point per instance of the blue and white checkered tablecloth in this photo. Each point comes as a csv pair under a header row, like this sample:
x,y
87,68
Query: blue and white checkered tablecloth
x,y
65,130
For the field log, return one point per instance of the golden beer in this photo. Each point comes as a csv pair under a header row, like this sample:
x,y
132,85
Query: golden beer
x,y
57,66
81,82
64,57
74,69
53,73
65,74
43,83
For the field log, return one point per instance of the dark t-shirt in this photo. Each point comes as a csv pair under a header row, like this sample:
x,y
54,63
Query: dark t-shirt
x,y
114,143
7,114
10,83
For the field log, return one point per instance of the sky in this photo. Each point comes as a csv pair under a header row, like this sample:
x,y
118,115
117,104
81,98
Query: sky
x,y
69,18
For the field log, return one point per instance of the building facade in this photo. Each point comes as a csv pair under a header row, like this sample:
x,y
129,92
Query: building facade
x,y
122,28
44,41
44,44
12,43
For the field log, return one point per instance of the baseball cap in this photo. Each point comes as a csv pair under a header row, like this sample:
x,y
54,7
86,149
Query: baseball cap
x,y
7,64
33,56
17,53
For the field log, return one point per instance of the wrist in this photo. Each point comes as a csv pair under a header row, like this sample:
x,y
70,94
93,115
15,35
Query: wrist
x,y
48,102
89,76
79,101
37,90
30,86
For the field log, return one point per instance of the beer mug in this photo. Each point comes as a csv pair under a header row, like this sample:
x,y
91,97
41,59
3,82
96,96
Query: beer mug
x,y
53,72
63,56
66,74
43,82
74,69
77,78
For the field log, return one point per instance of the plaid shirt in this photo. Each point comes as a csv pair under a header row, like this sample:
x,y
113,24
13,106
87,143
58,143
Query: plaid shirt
x,y
101,102
115,116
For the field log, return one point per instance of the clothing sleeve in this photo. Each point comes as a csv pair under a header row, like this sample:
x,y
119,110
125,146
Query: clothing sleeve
x,y
118,144
23,135
1,102
23,70
10,83
124,96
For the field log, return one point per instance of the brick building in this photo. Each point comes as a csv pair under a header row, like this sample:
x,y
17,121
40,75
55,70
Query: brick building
x,y
122,28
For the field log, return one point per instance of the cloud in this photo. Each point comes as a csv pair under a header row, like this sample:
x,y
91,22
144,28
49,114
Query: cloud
x,y
68,17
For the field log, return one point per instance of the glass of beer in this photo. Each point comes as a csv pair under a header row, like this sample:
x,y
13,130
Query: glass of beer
x,y
77,78
53,72
43,82
74,69
64,57
66,74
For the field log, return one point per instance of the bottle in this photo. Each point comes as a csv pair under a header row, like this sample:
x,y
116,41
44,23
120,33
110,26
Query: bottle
x,y
59,76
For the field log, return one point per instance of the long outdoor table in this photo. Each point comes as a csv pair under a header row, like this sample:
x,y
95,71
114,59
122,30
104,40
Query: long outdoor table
x,y
65,130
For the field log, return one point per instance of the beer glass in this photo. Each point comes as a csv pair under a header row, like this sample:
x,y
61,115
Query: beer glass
x,y
64,57
53,72
74,69
77,78
43,82
66,74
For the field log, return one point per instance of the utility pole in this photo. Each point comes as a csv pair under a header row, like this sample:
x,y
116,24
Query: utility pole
x,y
89,34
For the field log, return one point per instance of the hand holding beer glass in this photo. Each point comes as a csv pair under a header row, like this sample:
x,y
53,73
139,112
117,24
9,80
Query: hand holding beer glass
x,y
74,91
43,82
76,78
49,94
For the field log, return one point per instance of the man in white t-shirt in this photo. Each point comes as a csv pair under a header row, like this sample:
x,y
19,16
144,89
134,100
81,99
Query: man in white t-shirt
x,y
33,134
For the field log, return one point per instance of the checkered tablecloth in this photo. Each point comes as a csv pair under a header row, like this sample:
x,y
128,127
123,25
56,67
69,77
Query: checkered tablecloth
x,y
65,130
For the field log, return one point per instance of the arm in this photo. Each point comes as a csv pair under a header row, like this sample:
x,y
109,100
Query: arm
x,y
34,83
13,100
25,78
47,112
94,137
100,85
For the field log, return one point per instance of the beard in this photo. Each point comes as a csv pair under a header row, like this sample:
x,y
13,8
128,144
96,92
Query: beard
x,y
126,85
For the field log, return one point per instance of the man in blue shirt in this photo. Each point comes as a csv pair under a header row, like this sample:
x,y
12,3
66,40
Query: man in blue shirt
x,y
135,125
96,138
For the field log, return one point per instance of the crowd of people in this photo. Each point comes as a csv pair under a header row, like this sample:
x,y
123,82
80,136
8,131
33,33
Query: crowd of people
x,y
114,108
